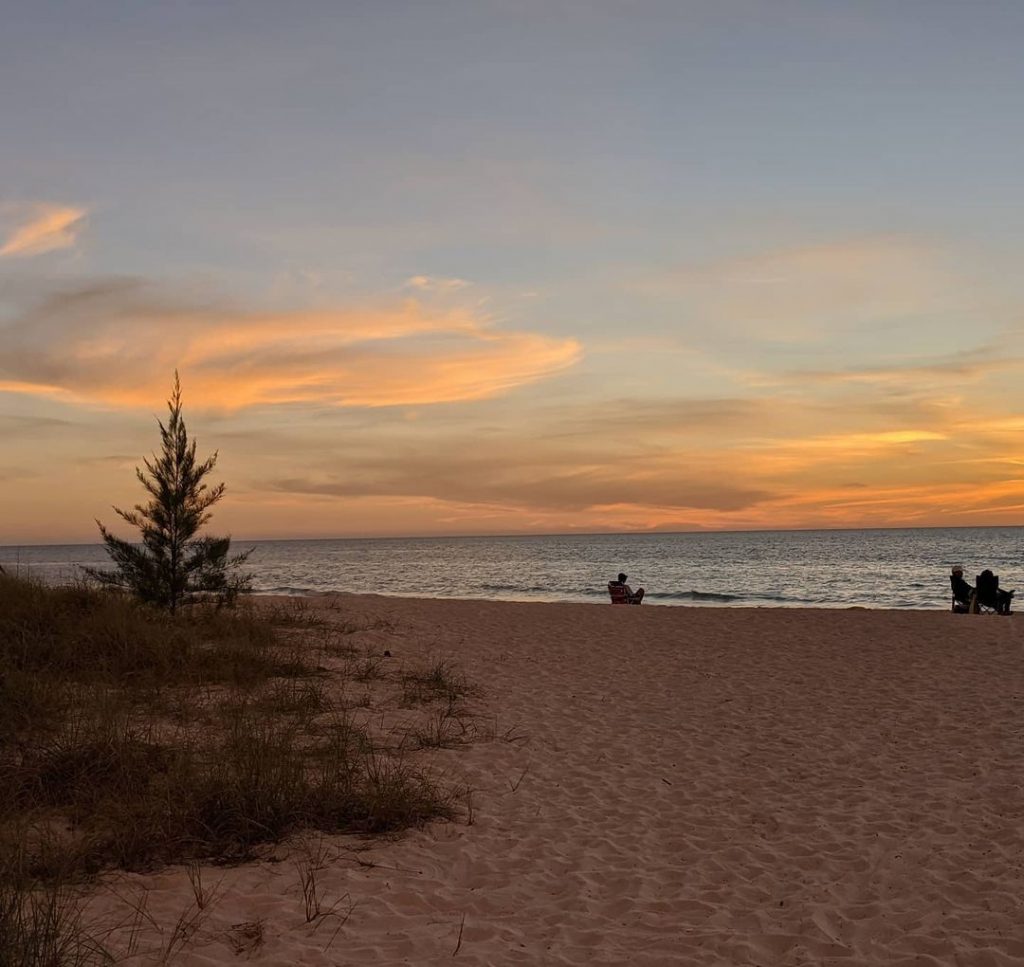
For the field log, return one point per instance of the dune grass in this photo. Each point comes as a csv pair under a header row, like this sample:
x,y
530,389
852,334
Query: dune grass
x,y
131,738
439,681
41,927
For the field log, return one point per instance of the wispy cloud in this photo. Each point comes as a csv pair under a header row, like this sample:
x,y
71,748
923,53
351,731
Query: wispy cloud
x,y
946,371
12,425
116,342
42,228
514,474
717,463
803,293
431,283
526,464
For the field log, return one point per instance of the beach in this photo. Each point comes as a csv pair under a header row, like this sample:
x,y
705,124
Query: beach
x,y
665,785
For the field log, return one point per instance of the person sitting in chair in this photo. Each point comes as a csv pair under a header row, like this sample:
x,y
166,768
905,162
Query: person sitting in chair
x,y
622,593
991,595
963,593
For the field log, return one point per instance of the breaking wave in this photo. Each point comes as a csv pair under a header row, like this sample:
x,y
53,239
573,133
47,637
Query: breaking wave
x,y
694,595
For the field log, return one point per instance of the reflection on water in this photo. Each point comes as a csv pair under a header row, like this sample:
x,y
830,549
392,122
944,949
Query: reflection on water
x,y
872,568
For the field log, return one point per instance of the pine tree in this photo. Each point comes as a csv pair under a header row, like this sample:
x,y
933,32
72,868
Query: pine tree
x,y
172,565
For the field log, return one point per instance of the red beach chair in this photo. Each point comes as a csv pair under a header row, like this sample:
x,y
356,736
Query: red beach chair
x,y
618,593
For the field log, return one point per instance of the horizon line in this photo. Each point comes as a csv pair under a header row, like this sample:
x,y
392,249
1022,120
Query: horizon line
x,y
506,536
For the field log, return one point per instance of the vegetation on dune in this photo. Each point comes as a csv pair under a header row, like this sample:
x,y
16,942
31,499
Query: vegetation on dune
x,y
136,732
131,737
40,926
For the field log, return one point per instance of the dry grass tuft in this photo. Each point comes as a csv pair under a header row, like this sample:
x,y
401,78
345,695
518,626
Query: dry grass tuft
x,y
41,922
440,681
130,738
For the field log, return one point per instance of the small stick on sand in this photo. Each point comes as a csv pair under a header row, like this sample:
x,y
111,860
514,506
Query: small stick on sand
x,y
461,928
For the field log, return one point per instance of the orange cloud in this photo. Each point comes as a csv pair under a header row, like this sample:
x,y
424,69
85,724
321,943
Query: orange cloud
x,y
46,229
903,440
632,465
118,342
788,455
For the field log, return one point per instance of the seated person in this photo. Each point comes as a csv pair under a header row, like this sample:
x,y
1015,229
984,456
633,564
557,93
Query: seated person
x,y
963,593
989,593
618,589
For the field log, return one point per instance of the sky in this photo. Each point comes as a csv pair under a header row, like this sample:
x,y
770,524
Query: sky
x,y
495,267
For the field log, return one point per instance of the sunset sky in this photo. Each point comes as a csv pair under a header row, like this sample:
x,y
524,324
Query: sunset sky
x,y
497,267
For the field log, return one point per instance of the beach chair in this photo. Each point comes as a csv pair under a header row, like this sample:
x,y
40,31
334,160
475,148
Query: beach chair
x,y
618,593
962,600
988,596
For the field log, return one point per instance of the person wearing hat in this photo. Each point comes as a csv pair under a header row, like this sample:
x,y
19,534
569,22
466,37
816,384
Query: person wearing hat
x,y
963,593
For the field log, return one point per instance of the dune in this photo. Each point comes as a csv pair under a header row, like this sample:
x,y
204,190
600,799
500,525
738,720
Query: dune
x,y
654,786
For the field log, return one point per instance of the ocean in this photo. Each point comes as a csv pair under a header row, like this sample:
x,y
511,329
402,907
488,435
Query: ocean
x,y
820,569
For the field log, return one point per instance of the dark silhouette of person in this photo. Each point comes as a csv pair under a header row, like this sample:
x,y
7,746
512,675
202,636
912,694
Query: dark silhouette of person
x,y
632,597
990,594
962,591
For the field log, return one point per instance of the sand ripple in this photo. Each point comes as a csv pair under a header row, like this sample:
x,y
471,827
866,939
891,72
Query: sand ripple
x,y
698,787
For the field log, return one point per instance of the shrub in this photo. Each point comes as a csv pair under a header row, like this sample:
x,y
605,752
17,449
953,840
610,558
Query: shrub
x,y
173,565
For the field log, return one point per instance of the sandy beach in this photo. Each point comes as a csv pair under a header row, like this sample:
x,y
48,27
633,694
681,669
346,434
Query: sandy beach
x,y
667,785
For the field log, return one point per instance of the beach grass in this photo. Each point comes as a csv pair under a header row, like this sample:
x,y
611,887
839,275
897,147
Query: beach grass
x,y
440,680
41,926
131,739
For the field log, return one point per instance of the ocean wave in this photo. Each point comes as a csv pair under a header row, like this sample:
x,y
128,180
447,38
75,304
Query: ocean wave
x,y
287,589
695,595
521,588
